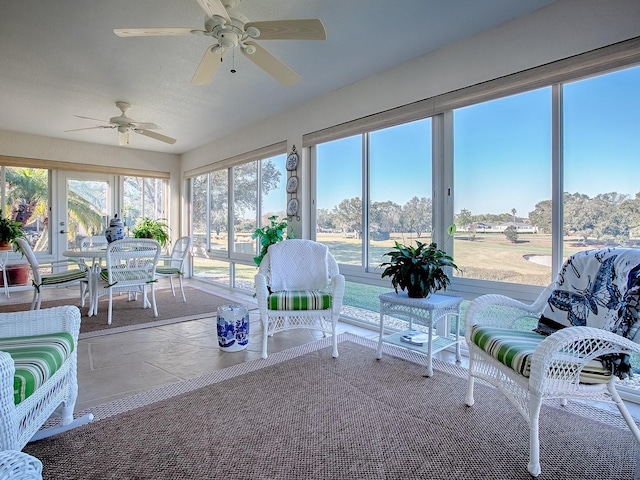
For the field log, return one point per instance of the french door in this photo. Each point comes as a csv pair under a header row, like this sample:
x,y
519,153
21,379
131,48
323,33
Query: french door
x,y
85,206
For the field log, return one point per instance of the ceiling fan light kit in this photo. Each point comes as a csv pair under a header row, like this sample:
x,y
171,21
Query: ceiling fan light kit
x,y
231,29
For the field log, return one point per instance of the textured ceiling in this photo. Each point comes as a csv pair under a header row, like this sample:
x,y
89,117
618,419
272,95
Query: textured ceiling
x,y
61,58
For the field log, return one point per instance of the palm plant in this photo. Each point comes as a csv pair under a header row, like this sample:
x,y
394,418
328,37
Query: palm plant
x,y
27,198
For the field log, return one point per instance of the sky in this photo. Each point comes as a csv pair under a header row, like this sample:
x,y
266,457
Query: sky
x,y
502,151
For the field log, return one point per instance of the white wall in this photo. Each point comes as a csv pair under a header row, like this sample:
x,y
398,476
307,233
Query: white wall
x,y
563,29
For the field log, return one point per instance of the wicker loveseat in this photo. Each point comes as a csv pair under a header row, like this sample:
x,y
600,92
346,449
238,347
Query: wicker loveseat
x,y
38,373
586,329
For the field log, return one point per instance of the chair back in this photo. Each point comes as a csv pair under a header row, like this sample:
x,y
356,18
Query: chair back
x,y
298,264
31,258
132,261
597,288
181,248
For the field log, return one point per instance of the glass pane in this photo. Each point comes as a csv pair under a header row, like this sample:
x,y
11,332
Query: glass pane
x,y
502,179
209,269
399,210
218,210
601,158
143,198
244,277
245,201
339,202
27,201
273,176
199,187
87,213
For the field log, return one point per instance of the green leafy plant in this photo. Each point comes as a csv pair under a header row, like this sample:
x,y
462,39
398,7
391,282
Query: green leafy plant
x,y
9,231
275,232
419,270
155,229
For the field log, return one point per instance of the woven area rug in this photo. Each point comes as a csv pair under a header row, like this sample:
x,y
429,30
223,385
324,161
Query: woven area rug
x,y
302,415
129,315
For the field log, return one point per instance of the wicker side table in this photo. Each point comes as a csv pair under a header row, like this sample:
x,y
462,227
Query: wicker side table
x,y
16,465
423,311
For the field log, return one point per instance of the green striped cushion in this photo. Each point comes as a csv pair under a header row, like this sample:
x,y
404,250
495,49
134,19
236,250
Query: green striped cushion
x,y
168,271
63,277
514,349
299,300
36,359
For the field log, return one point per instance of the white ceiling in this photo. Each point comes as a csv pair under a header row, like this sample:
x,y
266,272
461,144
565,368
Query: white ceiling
x,y
61,58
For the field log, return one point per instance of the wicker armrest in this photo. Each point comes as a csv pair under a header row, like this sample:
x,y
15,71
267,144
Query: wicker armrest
x,y
562,355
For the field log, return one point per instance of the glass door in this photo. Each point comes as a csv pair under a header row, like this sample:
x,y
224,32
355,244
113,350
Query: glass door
x,y
88,204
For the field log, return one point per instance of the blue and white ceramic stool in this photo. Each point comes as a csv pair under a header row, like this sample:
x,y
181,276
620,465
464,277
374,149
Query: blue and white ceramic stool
x,y
233,328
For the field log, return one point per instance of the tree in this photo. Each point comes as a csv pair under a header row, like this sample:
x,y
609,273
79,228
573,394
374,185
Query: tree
x,y
417,215
511,232
540,217
513,212
28,198
464,219
385,215
348,215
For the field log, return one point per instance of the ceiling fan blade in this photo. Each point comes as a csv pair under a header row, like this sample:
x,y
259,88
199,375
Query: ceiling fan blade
x,y
208,65
124,138
89,118
154,31
144,125
302,29
155,136
214,7
90,128
272,65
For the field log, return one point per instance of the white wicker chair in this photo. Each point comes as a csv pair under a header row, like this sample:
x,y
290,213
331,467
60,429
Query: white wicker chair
x,y
596,292
299,285
173,266
22,423
131,264
52,274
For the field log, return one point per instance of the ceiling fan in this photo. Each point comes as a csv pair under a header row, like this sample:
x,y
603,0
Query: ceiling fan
x,y
126,125
231,29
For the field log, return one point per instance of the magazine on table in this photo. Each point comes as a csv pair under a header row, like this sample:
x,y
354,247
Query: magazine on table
x,y
415,337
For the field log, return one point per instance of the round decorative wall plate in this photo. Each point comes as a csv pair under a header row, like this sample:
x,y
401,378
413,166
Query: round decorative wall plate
x,y
292,207
292,161
292,184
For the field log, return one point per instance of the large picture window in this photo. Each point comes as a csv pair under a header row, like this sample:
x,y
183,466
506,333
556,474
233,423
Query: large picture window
x,y
502,172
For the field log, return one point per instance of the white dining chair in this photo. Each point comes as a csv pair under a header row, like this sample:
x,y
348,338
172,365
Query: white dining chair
x,y
173,265
131,265
51,274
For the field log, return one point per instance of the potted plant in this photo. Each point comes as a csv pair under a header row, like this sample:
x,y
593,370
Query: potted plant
x,y
270,234
9,231
158,230
419,269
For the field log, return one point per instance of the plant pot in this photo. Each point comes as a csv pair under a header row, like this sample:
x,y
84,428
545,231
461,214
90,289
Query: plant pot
x,y
16,275
416,293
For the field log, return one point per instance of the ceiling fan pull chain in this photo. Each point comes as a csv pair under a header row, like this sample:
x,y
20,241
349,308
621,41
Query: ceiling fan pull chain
x,y
233,61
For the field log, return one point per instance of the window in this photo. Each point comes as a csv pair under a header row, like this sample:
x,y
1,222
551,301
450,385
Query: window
x,y
399,207
143,198
601,159
258,191
502,174
25,199
339,198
